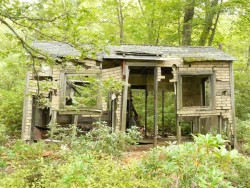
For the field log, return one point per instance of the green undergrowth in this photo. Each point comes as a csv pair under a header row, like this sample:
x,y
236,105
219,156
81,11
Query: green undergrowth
x,y
243,136
97,161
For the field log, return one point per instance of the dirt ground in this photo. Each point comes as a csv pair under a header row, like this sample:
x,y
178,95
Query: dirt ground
x,y
140,150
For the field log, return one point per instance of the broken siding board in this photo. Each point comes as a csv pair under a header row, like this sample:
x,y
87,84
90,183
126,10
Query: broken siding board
x,y
81,71
143,64
80,111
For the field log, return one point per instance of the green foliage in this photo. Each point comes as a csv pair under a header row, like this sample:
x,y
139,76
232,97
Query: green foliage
x,y
204,163
91,88
102,140
112,85
169,110
12,67
242,96
65,135
3,134
87,162
238,174
243,135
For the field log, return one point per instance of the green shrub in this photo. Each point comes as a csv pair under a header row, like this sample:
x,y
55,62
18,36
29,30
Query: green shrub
x,y
204,163
12,89
239,170
3,134
66,135
102,140
243,135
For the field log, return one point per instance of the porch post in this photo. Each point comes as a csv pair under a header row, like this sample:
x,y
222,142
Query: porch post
x,y
178,130
124,97
155,104
146,112
162,112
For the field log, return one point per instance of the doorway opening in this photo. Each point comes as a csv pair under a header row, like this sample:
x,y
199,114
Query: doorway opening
x,y
140,101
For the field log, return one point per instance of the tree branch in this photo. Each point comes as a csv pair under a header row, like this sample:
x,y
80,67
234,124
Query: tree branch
x,y
36,19
26,46
34,29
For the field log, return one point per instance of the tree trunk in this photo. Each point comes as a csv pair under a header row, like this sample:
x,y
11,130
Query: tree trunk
x,y
120,19
187,25
210,12
215,25
248,58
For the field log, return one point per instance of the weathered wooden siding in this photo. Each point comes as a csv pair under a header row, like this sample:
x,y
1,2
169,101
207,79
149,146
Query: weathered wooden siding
x,y
56,98
222,91
115,73
222,99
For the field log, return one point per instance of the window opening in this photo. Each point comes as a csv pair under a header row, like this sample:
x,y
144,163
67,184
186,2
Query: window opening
x,y
81,90
196,91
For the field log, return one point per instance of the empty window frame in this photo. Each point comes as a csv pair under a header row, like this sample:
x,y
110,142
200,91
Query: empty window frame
x,y
196,90
81,91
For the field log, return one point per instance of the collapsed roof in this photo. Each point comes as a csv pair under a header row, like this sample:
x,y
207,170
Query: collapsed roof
x,y
139,52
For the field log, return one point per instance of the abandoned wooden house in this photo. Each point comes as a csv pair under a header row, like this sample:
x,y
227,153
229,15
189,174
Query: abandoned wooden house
x,y
201,79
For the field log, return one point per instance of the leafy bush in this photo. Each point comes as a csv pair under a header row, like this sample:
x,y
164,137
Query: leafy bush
x,y
243,135
66,135
102,140
11,93
238,173
205,163
3,134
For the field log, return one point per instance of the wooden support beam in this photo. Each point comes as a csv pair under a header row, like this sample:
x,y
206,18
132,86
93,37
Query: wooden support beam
x,y
162,111
109,108
155,105
228,133
146,113
178,130
75,120
176,92
124,98
220,125
54,117
87,112
113,114
192,127
199,125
